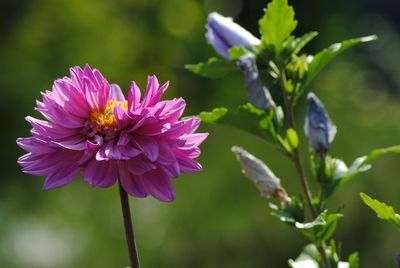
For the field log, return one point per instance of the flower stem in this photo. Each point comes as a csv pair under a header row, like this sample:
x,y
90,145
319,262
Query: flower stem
x,y
299,167
130,238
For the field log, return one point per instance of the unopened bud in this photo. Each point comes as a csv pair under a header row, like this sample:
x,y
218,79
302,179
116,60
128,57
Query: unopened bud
x,y
258,172
257,93
223,34
318,127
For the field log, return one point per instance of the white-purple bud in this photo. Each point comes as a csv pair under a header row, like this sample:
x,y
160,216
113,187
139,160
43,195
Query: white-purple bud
x,y
257,93
318,127
223,34
258,172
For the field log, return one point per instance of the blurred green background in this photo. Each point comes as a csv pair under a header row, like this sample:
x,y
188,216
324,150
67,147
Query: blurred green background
x,y
218,218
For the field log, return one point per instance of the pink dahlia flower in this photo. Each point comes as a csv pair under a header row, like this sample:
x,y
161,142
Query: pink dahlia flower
x,y
91,127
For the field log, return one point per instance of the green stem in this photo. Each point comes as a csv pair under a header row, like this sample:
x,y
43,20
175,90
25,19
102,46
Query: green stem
x,y
299,166
130,238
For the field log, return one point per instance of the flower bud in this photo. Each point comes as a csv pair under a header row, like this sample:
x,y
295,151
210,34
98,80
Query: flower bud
x,y
257,93
223,34
318,127
258,172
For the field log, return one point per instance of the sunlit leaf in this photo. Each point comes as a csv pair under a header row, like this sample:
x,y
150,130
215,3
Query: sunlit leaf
x,y
383,211
247,118
322,58
340,174
213,68
298,43
236,52
277,24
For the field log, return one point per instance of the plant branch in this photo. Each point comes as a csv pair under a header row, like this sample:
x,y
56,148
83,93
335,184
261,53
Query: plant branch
x,y
130,238
299,166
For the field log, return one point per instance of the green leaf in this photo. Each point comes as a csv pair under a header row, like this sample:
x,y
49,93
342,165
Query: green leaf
x,y
213,68
354,260
383,211
297,44
214,115
247,117
291,137
307,258
339,174
321,59
326,231
289,213
277,24
236,52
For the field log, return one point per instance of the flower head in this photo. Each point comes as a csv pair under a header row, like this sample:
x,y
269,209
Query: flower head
x,y
223,34
89,126
318,127
257,93
259,173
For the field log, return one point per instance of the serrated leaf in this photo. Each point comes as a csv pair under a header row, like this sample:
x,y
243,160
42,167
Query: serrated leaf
x,y
383,211
213,68
236,52
307,258
247,118
277,24
321,59
214,115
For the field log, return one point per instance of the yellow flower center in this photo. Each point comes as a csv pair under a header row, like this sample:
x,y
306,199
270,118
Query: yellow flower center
x,y
105,119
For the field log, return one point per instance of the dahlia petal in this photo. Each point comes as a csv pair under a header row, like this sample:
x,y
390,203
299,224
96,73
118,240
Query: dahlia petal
x,y
116,93
132,184
77,76
151,90
173,109
124,138
88,72
159,186
121,117
129,151
133,97
193,140
96,144
172,170
60,178
35,145
157,96
138,166
101,173
148,146
55,113
187,126
193,152
49,130
165,155
91,95
73,143
188,165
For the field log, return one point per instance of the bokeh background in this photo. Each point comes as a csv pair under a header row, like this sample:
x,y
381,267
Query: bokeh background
x,y
218,218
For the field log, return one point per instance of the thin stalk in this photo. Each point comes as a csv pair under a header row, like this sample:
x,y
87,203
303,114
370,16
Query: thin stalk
x,y
299,166
130,237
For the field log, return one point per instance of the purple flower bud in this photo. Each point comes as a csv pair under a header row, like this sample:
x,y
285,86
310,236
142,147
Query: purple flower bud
x,y
258,172
257,93
223,34
318,127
